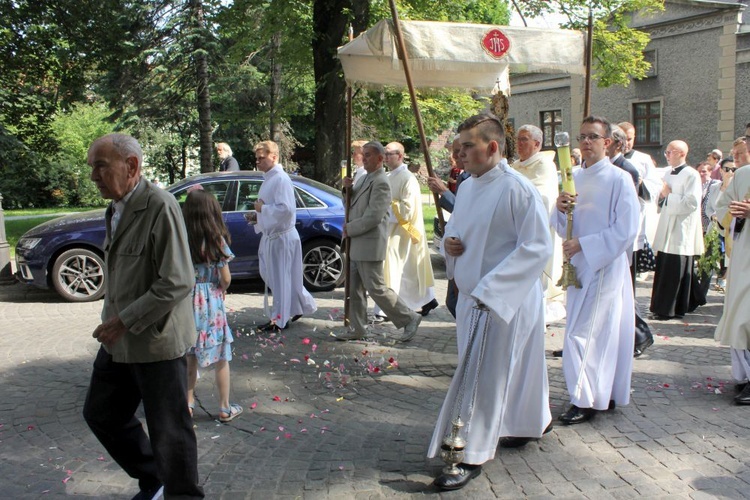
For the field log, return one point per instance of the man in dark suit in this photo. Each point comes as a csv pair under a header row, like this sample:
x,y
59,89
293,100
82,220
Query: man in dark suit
x,y
643,336
147,326
367,229
228,163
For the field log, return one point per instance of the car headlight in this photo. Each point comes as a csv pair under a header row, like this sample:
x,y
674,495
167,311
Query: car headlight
x,y
28,243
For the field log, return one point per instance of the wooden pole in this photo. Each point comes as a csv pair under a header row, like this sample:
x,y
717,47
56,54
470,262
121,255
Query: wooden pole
x,y
348,194
415,107
589,51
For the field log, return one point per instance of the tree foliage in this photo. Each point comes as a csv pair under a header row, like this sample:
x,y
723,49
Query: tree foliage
x,y
617,48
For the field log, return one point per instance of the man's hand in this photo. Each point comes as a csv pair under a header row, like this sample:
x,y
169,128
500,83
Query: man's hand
x,y
564,201
571,247
109,332
348,182
665,191
436,185
740,209
259,205
453,246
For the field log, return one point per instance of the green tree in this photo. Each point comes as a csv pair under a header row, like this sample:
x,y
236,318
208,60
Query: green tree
x,y
617,48
68,176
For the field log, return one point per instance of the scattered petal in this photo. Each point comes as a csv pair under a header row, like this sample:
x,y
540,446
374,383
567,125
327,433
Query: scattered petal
x,y
253,406
276,398
306,340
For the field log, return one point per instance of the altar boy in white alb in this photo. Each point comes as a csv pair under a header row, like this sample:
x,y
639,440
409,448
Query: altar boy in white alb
x,y
280,250
598,345
496,245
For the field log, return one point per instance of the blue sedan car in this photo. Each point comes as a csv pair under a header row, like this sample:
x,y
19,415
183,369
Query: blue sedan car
x,y
67,253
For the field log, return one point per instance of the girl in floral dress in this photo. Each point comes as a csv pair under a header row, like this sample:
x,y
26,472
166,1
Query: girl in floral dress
x,y
208,238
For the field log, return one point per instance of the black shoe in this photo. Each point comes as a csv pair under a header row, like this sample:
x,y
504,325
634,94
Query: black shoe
x,y
640,348
557,354
296,317
661,317
576,415
270,327
740,387
743,398
449,482
429,307
517,442
612,404
150,494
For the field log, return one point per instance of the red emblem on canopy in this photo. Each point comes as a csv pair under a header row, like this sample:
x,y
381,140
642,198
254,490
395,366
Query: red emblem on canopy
x,y
496,43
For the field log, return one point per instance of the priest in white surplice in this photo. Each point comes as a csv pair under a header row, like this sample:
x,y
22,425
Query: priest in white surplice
x,y
280,250
598,345
496,245
407,268
734,326
539,167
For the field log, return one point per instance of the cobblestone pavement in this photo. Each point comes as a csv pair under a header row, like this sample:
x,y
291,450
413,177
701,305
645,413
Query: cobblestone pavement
x,y
326,419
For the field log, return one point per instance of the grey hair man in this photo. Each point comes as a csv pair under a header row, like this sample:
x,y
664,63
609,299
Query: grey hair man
x,y
147,326
539,167
367,229
228,162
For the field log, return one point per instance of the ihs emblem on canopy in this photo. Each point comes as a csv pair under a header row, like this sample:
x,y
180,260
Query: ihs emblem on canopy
x,y
495,43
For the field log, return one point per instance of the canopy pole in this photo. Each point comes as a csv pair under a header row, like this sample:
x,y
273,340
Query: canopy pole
x,y
348,194
415,107
589,51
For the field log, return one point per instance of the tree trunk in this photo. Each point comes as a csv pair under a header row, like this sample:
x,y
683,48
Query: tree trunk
x,y
203,95
330,25
274,133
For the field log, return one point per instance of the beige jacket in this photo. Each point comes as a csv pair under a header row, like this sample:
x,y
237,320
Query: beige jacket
x,y
368,217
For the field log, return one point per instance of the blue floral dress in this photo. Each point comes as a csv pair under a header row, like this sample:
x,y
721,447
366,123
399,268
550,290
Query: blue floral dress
x,y
214,335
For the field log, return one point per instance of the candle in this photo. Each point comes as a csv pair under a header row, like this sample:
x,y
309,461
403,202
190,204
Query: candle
x,y
562,141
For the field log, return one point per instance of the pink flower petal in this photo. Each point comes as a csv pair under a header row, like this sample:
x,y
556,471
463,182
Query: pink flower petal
x,y
306,340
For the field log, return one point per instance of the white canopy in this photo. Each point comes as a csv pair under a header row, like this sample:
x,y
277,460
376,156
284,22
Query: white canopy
x,y
459,55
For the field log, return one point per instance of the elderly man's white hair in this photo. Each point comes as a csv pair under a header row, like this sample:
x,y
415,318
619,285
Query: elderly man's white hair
x,y
125,145
534,131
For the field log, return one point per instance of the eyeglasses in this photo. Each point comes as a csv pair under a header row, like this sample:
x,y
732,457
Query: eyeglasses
x,y
391,153
729,169
589,137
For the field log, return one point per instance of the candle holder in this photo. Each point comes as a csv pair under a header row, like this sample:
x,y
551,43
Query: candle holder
x,y
562,142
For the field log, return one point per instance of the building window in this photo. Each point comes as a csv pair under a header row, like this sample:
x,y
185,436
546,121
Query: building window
x,y
650,57
551,124
647,122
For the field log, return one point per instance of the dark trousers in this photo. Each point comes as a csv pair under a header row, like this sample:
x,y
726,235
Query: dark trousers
x,y
642,331
676,289
170,457
451,297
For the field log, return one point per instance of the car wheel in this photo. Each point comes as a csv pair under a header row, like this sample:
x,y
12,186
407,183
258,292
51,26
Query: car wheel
x,y
322,265
78,275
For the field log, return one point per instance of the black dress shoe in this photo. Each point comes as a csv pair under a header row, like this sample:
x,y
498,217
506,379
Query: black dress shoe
x,y
296,317
661,317
517,442
429,307
557,354
269,327
449,482
743,398
576,415
612,404
639,348
740,387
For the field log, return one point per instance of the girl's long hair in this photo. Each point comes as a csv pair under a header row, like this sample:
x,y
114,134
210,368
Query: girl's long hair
x,y
205,227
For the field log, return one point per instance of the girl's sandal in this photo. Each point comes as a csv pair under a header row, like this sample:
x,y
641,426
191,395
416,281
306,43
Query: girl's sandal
x,y
229,414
